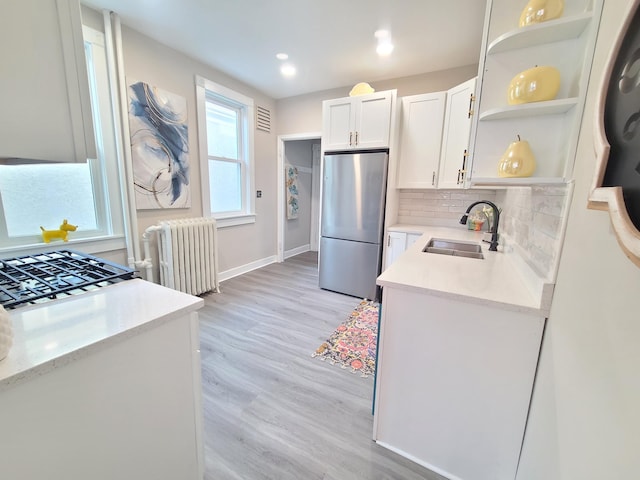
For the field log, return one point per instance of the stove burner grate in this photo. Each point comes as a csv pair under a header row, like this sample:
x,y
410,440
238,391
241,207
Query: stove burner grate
x,y
47,276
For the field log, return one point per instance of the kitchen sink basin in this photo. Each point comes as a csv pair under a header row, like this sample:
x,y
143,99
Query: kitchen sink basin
x,y
455,248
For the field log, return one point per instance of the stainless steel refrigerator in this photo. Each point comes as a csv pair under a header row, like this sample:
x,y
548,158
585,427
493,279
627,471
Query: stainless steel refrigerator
x,y
352,222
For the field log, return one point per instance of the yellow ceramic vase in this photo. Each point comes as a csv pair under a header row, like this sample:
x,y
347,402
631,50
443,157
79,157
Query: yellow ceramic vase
x,y
517,161
537,11
534,85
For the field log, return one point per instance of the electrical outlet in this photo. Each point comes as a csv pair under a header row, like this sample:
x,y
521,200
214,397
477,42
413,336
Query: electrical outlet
x,y
259,193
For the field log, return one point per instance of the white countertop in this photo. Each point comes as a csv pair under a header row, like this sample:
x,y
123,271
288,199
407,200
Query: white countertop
x,y
52,334
501,279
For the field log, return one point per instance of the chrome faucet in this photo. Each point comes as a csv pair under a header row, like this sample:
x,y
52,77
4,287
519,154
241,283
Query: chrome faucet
x,y
493,229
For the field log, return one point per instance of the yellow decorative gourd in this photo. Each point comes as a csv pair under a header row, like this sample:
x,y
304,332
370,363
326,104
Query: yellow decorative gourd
x,y
534,85
517,161
537,11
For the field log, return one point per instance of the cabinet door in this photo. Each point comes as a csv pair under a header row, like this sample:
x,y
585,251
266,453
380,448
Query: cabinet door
x,y
421,121
396,244
467,370
454,160
373,120
46,107
412,238
337,124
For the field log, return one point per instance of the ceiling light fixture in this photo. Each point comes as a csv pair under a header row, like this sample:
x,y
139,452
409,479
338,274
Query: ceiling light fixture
x,y
282,56
288,70
385,47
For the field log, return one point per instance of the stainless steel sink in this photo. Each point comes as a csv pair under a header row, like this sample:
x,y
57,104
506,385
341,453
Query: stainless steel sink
x,y
455,248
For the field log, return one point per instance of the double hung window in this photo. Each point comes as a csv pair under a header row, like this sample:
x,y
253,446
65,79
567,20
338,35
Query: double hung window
x,y
225,120
86,194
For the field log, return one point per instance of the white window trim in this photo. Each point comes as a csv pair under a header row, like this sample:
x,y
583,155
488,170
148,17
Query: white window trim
x,y
95,241
225,220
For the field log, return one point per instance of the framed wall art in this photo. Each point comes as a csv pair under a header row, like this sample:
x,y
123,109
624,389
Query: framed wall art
x,y
159,147
616,186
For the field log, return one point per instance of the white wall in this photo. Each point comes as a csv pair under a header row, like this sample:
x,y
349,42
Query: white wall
x,y
151,62
584,422
148,61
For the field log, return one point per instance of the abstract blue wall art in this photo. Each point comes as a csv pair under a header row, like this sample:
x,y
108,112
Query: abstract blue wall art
x,y
292,192
159,147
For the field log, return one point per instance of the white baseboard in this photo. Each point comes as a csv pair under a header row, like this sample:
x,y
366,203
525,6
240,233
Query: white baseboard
x,y
234,272
296,251
427,465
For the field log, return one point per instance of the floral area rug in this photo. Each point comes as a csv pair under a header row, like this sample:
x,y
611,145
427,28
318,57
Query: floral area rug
x,y
353,344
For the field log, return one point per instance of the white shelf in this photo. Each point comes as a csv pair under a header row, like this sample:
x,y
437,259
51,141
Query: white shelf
x,y
551,126
550,107
514,182
541,33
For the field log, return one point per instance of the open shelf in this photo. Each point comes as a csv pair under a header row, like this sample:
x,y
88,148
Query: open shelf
x,y
541,33
550,107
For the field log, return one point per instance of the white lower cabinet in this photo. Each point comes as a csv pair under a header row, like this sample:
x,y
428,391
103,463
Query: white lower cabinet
x,y
454,383
397,243
129,409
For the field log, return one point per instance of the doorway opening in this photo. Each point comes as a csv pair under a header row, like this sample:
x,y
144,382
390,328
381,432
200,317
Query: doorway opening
x,y
298,194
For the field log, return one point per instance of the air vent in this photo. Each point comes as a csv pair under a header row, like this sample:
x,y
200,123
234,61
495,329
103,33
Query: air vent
x,y
263,119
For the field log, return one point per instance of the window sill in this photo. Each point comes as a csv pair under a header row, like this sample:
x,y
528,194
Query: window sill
x,y
93,246
231,221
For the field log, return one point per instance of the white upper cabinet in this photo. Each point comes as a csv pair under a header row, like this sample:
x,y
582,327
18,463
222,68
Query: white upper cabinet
x,y
551,127
359,122
44,87
421,119
454,157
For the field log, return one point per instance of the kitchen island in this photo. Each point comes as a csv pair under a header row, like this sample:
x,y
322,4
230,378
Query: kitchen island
x,y
104,385
458,347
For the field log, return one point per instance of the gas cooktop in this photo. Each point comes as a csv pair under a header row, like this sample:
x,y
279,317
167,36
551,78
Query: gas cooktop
x,y
48,276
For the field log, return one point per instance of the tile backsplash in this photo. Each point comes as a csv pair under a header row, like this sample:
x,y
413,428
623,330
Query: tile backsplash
x,y
438,207
531,218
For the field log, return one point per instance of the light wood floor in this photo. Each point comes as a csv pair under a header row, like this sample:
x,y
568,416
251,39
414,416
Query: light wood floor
x,y
271,410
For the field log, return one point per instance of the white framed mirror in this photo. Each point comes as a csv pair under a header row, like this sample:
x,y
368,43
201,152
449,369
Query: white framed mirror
x,y
616,185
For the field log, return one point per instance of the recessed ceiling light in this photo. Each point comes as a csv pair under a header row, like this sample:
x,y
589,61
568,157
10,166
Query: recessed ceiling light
x,y
282,56
382,33
288,70
384,48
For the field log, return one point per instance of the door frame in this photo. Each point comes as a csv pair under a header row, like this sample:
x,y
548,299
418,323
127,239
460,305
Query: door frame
x,y
280,196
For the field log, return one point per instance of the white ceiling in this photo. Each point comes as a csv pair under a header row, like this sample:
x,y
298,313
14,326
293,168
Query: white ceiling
x,y
331,42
